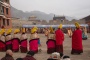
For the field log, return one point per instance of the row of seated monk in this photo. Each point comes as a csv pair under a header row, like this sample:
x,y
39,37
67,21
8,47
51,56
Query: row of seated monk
x,y
15,45
30,56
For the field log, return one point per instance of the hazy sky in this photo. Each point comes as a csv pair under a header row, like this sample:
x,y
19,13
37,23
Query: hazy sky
x,y
73,8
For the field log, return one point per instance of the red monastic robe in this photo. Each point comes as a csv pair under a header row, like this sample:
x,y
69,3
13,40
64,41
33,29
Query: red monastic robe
x,y
15,44
59,37
2,43
59,41
23,46
2,46
23,43
77,41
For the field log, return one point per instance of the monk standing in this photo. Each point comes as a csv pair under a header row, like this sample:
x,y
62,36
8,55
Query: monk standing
x,y
69,32
77,47
84,33
59,39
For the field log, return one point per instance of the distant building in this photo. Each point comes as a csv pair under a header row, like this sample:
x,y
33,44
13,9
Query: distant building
x,y
34,20
44,22
16,23
5,15
60,18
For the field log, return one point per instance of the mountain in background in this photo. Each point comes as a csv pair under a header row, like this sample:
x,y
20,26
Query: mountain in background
x,y
40,15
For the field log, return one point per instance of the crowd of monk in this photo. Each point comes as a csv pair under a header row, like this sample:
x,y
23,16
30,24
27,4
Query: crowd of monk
x,y
54,40
30,56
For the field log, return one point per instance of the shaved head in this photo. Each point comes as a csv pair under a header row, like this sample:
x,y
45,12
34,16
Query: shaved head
x,y
9,52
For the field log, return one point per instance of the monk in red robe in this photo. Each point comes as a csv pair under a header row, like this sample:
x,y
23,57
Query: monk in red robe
x,y
9,39
8,55
51,43
34,38
16,41
23,42
77,47
59,39
2,40
29,56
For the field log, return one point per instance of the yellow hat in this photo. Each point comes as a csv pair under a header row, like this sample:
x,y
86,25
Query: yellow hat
x,y
2,31
16,31
23,30
35,27
33,30
77,25
8,31
51,29
60,26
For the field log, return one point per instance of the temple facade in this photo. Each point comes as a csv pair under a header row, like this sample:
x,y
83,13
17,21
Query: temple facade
x,y
5,14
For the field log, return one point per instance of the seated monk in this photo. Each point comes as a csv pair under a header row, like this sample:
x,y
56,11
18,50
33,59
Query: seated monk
x,y
34,38
2,41
51,41
29,56
8,39
16,41
23,42
8,55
